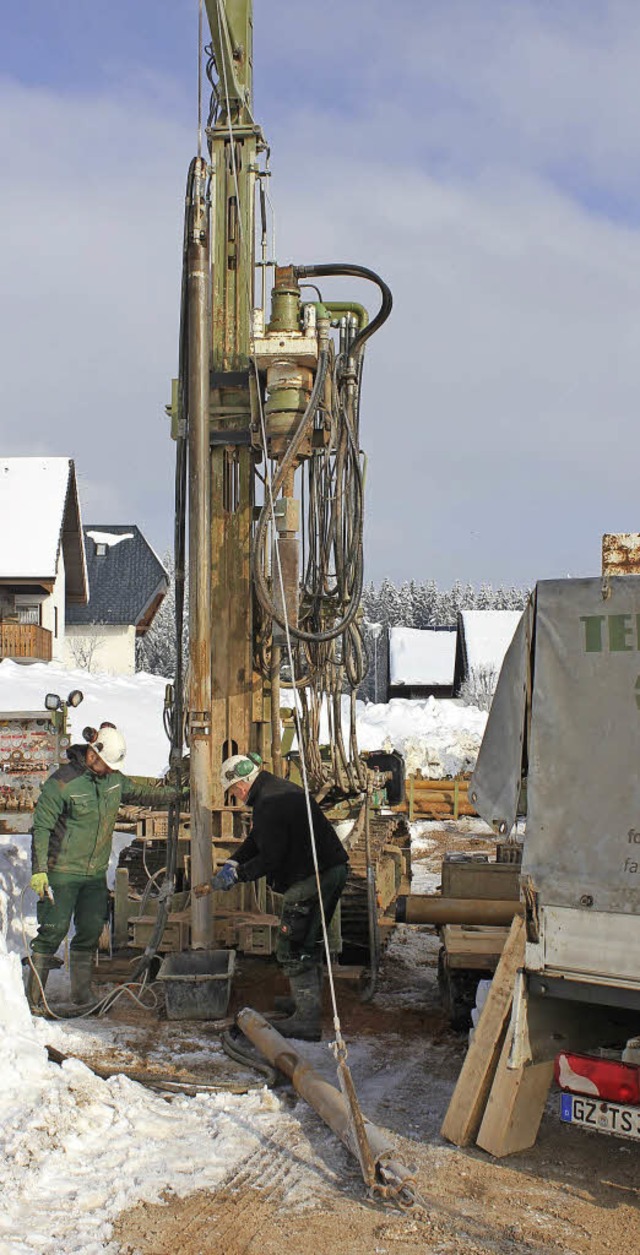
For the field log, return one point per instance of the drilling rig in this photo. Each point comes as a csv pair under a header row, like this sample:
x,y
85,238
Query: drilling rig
x,y
265,414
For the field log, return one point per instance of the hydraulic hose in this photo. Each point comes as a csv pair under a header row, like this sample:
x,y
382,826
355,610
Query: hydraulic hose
x,y
261,587
356,272
230,1042
180,491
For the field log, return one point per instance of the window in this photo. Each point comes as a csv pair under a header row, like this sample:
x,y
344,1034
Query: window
x,y
101,549
29,613
55,622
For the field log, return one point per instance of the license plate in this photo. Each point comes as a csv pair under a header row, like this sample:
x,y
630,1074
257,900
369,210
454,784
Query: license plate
x,y
602,1117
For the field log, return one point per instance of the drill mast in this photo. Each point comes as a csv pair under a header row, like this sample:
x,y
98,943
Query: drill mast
x,y
269,414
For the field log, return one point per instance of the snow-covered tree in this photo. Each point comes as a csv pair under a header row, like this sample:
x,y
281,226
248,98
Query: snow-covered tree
x,y
84,650
156,651
479,686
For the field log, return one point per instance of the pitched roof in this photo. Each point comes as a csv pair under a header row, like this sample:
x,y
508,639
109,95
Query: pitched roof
x,y
126,578
421,655
486,636
39,513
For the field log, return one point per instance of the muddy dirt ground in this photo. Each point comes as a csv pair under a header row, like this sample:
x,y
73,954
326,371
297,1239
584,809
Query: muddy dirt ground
x,y
300,1191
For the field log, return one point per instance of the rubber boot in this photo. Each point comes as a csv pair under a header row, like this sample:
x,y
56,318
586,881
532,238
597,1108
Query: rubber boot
x,y
42,964
81,964
283,1004
306,1021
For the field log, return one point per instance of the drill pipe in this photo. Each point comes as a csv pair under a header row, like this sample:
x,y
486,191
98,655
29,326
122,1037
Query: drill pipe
x,y
425,908
327,1102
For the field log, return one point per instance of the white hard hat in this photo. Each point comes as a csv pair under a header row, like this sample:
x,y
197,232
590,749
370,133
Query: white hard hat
x,y
111,747
240,768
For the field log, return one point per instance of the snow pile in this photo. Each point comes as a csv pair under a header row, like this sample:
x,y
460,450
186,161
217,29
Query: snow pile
x,y
438,737
76,1150
133,702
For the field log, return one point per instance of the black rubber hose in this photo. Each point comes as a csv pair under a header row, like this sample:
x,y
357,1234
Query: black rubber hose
x,y
180,509
259,579
356,272
229,1040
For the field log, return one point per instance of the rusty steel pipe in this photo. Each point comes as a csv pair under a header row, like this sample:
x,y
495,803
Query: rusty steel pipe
x,y
198,365
424,908
328,1103
276,735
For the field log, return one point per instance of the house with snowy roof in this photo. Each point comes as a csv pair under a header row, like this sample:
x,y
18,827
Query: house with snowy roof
x,y
421,662
43,572
484,637
127,583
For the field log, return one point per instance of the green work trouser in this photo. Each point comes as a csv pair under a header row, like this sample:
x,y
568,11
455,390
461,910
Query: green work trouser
x,y
84,898
300,935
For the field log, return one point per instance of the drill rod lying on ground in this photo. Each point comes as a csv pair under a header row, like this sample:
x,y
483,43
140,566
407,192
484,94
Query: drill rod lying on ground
x,y
430,908
393,1180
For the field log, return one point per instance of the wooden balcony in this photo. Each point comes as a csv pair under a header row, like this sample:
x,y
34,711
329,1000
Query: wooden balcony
x,y
25,642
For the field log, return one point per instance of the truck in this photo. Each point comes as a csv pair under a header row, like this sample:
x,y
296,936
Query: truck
x,y
565,725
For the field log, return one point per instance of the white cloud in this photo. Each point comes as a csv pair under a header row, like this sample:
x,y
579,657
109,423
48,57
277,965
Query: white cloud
x,y
443,147
92,201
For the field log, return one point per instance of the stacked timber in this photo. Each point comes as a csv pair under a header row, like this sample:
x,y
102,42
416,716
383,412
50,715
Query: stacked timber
x,y
436,799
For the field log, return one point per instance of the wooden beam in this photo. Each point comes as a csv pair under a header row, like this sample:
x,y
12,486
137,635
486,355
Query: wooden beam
x,y
515,1106
464,1116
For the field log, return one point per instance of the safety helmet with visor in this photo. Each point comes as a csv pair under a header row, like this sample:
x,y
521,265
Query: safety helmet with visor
x,y
110,746
240,768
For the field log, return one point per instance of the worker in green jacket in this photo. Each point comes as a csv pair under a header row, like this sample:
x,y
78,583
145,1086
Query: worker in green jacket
x,y
73,825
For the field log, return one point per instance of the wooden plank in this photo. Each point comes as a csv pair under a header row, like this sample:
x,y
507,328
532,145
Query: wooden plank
x,y
464,1116
121,909
515,1106
460,940
420,784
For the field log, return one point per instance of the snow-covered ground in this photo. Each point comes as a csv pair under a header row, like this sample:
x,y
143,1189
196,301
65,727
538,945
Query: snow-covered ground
x,y
76,1150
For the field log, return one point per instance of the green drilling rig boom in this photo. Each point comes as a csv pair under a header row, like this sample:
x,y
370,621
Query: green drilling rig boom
x,y
267,422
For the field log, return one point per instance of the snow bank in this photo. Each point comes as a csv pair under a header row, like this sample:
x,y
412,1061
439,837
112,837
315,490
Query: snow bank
x,y
76,1150
439,737
133,702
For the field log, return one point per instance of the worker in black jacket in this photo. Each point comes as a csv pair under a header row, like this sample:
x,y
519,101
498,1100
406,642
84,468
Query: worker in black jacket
x,y
279,847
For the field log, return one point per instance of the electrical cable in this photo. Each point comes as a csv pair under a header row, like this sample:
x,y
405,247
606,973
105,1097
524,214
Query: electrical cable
x,y
101,1006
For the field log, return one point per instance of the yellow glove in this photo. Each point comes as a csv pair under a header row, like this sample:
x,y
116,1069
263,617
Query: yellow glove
x,y
40,883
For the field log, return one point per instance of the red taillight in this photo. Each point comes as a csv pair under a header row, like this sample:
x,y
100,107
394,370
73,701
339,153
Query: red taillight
x,y
603,1078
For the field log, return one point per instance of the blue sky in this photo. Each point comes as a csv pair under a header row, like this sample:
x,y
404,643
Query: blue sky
x,y
484,157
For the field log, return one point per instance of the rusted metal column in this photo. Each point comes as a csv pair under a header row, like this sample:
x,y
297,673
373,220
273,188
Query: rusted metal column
x,y
328,1102
276,736
198,304
420,908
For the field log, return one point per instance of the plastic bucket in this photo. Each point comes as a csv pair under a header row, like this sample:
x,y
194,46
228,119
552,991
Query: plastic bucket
x,y
197,983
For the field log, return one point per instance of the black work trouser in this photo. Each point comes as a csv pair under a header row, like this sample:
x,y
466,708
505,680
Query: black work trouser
x,y
300,931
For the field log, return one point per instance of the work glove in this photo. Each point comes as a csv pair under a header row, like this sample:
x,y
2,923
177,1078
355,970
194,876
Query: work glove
x,y
40,883
226,877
